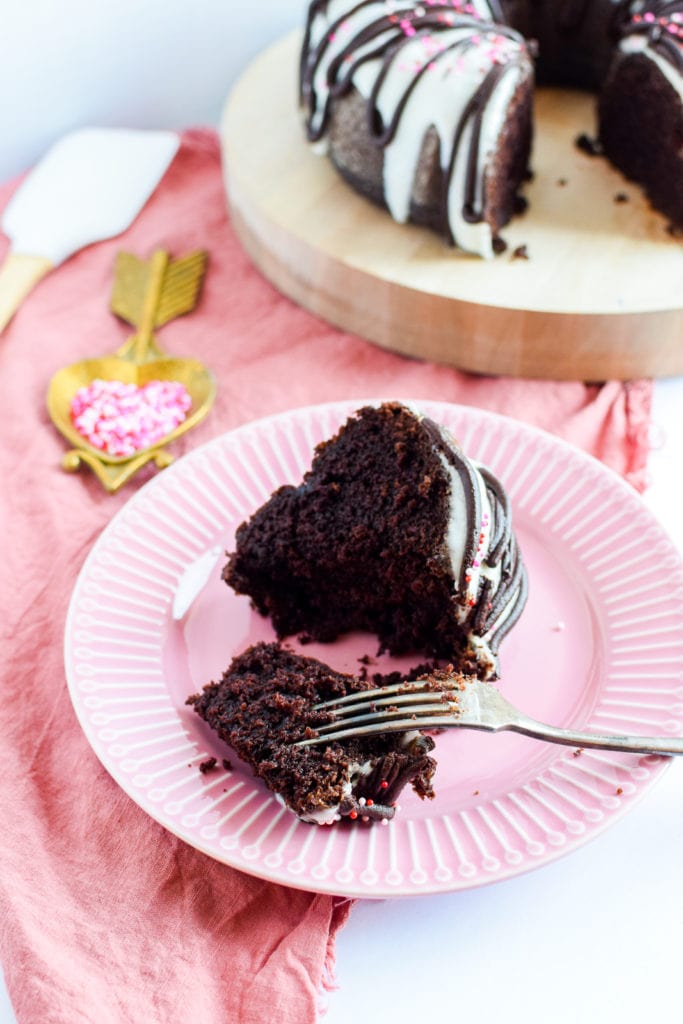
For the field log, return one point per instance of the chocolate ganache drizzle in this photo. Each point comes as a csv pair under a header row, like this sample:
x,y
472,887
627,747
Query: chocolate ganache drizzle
x,y
419,65
491,581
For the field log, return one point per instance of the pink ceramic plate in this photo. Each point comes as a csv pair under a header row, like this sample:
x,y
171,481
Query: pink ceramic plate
x,y
599,646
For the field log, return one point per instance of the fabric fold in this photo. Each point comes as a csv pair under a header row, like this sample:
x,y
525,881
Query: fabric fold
x,y
104,915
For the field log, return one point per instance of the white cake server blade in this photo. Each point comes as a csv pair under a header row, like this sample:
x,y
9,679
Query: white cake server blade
x,y
88,187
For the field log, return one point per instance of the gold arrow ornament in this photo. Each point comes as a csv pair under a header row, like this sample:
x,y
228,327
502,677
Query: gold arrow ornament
x,y
120,411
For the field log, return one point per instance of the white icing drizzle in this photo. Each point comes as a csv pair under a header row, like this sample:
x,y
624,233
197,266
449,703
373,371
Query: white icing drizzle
x,y
480,569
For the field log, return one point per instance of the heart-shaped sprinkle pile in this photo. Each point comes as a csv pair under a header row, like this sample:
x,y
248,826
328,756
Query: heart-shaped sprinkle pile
x,y
122,419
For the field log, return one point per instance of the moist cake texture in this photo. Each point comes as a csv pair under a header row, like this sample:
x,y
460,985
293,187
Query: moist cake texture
x,y
393,531
641,106
264,704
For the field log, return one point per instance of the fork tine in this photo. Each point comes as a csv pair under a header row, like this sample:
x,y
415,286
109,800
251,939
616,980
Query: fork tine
x,y
414,705
413,700
409,688
380,691
413,711
381,725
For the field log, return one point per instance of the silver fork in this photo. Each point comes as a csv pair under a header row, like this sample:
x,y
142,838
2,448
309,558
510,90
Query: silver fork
x,y
470,704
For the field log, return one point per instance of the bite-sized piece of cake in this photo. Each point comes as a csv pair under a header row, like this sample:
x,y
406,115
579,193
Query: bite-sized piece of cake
x,y
393,531
264,704
641,106
424,108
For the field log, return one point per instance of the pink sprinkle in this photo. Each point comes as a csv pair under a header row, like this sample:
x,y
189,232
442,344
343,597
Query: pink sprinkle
x,y
122,419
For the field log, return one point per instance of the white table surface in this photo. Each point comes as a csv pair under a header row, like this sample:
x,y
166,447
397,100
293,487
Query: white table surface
x,y
592,937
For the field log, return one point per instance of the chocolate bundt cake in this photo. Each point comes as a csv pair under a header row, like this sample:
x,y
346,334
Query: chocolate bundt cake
x,y
641,106
393,531
425,107
265,703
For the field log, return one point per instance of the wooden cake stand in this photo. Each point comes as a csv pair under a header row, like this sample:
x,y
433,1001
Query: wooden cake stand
x,y
599,297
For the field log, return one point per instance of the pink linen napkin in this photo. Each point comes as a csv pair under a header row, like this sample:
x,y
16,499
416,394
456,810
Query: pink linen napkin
x,y
105,915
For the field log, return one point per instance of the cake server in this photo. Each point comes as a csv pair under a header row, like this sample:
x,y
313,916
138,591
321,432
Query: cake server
x,y
88,187
431,703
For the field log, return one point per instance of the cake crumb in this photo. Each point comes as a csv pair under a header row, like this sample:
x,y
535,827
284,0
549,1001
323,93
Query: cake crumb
x,y
227,764
520,253
619,791
521,205
592,147
562,182
208,765
578,752
621,197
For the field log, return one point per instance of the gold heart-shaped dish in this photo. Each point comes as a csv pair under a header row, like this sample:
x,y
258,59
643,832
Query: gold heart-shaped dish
x,y
137,362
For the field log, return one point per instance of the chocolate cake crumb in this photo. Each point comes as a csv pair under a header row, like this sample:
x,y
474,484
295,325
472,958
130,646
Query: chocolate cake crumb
x,y
621,197
592,147
208,765
520,253
521,205
562,182
227,764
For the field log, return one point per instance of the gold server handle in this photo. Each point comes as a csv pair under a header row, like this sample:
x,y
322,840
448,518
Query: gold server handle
x,y
18,275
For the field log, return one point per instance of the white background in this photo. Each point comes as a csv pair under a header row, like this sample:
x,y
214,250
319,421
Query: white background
x,y
594,937
124,63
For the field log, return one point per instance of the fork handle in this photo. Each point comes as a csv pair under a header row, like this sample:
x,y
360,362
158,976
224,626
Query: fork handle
x,y
634,744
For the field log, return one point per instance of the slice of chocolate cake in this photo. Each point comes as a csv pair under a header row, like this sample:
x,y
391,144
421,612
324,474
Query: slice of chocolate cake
x,y
265,703
393,531
641,106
